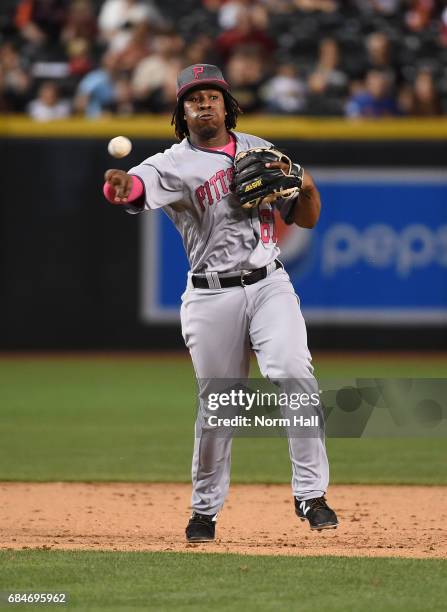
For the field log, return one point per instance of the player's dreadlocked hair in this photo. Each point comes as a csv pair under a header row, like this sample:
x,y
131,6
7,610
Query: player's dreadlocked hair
x,y
231,106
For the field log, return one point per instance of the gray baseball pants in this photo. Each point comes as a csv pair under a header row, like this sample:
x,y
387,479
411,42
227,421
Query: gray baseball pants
x,y
218,326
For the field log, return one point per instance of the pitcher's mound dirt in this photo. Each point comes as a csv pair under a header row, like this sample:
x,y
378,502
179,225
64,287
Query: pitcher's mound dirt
x,y
391,521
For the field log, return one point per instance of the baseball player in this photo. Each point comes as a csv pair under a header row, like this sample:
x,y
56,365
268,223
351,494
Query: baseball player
x,y
238,296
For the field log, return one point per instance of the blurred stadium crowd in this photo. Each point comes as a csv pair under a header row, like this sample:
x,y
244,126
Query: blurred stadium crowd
x,y
311,57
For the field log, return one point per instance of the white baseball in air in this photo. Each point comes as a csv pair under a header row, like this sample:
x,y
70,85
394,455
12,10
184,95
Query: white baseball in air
x,y
120,146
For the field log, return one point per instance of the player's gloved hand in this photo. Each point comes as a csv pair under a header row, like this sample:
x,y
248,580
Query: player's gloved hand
x,y
121,183
265,175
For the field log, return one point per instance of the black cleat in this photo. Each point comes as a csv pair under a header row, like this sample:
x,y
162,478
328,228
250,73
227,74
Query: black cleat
x,y
201,527
317,512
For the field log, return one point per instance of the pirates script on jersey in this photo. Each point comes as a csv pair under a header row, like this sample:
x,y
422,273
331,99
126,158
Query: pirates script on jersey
x,y
214,188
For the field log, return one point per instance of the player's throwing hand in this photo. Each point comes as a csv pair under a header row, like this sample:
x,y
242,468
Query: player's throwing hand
x,y
121,182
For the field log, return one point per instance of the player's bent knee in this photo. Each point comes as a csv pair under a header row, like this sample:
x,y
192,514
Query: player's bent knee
x,y
291,370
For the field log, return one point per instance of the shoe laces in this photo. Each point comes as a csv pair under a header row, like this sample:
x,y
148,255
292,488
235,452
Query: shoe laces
x,y
318,502
201,519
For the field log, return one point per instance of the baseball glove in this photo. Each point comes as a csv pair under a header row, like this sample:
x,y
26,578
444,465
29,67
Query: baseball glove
x,y
253,183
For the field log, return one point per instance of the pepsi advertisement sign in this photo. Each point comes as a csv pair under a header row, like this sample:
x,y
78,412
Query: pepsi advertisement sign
x,y
377,255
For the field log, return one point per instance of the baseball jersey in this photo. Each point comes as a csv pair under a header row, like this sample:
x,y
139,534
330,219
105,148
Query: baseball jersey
x,y
192,186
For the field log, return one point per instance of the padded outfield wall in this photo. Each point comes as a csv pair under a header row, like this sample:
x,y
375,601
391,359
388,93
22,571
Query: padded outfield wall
x,y
78,273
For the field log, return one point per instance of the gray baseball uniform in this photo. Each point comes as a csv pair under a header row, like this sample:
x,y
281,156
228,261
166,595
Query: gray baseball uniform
x,y
192,186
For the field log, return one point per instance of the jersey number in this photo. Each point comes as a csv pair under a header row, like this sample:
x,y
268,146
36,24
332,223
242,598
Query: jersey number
x,y
268,229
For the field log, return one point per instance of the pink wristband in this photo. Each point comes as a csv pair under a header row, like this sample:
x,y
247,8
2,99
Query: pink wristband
x,y
135,193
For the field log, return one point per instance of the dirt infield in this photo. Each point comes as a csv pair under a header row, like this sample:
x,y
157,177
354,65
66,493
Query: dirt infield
x,y
391,521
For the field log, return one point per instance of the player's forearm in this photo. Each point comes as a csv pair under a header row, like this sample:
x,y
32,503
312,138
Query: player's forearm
x,y
307,209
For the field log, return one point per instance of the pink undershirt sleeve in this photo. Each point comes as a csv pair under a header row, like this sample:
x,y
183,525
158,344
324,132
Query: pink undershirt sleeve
x,y
136,192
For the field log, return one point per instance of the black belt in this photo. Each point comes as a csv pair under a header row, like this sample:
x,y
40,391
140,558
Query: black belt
x,y
244,278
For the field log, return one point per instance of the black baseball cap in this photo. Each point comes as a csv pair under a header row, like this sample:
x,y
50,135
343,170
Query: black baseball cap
x,y
200,74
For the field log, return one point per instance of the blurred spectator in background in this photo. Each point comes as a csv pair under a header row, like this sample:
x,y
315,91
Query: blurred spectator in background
x,y
123,103
419,14
327,82
96,90
48,104
200,51
80,22
17,83
375,99
443,28
80,61
164,98
328,6
137,47
328,66
149,74
379,50
230,12
378,47
247,31
421,99
40,24
41,21
285,92
320,101
245,73
117,17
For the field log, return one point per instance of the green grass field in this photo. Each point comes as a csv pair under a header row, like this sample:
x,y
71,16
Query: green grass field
x,y
181,581
131,419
